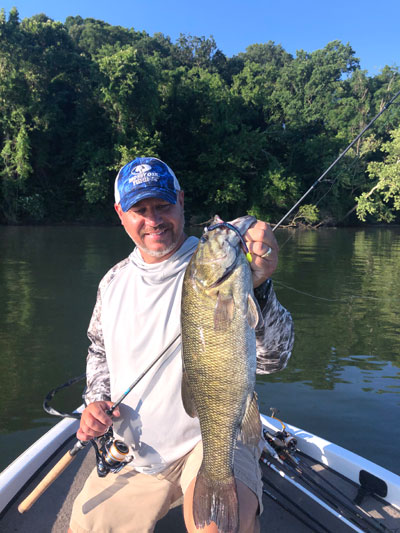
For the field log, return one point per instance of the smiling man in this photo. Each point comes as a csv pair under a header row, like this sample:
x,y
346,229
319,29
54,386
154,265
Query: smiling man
x,y
149,203
137,315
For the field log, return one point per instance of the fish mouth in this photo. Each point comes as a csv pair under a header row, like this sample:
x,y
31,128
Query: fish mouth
x,y
225,275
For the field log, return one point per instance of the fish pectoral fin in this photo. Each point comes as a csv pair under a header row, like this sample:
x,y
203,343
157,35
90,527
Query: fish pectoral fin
x,y
187,398
251,423
254,314
224,311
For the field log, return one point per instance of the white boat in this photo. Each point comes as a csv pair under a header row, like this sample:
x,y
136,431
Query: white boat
x,y
310,484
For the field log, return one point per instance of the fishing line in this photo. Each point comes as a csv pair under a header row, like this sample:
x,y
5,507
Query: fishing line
x,y
50,395
111,455
347,299
53,392
233,228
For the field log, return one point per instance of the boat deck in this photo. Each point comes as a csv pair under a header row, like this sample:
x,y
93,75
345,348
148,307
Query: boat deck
x,y
286,508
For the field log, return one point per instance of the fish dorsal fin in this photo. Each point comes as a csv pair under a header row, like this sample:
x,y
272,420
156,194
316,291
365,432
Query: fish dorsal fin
x,y
224,311
251,423
187,398
254,314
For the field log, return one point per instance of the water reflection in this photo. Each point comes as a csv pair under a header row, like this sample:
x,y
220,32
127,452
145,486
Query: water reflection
x,y
352,287
341,286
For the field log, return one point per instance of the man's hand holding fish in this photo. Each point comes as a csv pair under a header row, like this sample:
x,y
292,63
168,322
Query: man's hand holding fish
x,y
264,249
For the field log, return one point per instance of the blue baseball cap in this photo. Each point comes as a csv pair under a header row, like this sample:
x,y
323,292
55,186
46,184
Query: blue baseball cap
x,y
145,177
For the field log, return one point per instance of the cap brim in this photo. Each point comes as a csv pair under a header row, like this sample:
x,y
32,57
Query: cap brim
x,y
134,197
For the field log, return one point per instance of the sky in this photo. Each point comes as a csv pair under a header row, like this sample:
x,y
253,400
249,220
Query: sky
x,y
369,26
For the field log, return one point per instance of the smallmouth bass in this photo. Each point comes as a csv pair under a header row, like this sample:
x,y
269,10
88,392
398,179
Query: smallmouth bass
x,y
219,316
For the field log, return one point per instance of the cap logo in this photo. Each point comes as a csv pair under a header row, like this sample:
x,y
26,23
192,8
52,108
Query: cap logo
x,y
140,174
140,169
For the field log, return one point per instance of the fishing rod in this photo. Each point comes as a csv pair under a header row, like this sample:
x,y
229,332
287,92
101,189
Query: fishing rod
x,y
385,107
311,495
282,447
350,504
335,501
128,390
293,503
111,455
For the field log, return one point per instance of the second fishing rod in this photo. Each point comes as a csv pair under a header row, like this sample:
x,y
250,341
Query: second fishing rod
x,y
323,175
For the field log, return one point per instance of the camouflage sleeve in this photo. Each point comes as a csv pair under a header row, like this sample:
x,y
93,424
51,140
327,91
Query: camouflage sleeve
x,y
275,338
97,373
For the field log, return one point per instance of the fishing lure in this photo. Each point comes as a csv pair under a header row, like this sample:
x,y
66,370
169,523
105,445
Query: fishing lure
x,y
235,229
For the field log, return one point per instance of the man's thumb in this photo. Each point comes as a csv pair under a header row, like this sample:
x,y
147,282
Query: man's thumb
x,y
116,412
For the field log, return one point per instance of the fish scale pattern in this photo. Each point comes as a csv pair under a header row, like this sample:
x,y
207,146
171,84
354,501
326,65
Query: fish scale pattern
x,y
219,364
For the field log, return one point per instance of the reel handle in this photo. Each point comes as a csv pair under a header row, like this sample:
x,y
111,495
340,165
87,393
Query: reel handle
x,y
51,476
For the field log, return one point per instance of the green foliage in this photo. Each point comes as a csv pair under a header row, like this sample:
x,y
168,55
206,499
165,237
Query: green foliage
x,y
248,133
15,168
382,201
308,213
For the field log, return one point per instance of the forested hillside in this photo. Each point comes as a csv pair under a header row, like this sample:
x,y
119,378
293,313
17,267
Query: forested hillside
x,y
248,133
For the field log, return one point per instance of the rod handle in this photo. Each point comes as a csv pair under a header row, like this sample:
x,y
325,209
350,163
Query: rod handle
x,y
51,476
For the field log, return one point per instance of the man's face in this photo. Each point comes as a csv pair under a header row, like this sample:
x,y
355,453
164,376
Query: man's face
x,y
155,226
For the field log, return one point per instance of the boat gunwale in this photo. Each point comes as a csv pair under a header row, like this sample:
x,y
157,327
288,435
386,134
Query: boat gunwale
x,y
339,459
18,474
25,468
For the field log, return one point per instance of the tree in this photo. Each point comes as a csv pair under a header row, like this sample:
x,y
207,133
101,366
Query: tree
x,y
247,133
383,199
16,168
91,34
195,51
130,97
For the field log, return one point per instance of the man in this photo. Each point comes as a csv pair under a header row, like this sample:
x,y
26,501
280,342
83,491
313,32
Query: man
x,y
137,318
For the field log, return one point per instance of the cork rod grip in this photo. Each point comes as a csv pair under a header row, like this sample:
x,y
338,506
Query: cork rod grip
x,y
57,469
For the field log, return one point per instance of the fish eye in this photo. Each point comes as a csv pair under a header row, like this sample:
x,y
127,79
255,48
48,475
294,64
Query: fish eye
x,y
204,237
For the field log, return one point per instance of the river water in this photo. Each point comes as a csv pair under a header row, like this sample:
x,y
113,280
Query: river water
x,y
342,287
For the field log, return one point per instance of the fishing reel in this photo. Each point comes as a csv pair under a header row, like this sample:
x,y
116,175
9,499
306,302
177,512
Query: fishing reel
x,y
111,454
282,442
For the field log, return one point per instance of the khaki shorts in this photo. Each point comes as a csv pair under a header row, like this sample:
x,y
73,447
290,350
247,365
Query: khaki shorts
x,y
131,502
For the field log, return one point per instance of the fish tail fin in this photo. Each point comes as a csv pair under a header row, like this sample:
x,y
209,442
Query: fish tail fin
x,y
216,501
